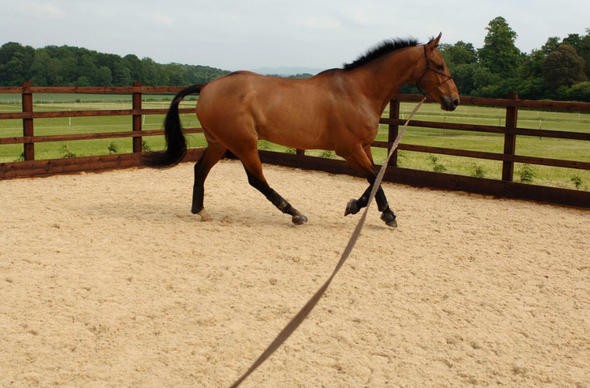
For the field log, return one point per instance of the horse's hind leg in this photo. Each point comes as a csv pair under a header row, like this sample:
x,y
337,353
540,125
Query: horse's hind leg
x,y
210,157
251,161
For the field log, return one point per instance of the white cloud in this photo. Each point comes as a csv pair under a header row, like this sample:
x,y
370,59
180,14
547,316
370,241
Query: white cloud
x,y
248,34
320,23
160,19
41,10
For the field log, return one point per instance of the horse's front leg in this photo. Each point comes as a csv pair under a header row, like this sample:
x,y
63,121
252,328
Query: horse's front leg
x,y
355,205
361,159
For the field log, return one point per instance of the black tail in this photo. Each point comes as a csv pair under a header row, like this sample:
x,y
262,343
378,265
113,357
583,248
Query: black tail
x,y
175,141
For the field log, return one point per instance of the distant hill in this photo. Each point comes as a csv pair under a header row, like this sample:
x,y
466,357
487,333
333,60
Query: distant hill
x,y
75,66
288,71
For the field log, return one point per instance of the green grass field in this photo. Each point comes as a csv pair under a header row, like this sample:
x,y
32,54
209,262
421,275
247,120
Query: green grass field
x,y
475,141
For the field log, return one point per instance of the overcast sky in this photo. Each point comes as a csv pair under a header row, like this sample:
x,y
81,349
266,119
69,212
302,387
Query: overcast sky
x,y
250,34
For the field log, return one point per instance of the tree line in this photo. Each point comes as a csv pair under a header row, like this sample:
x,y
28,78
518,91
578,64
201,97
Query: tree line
x,y
74,66
559,70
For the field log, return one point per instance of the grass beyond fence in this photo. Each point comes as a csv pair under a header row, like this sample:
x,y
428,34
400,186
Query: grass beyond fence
x,y
541,147
89,125
507,147
473,141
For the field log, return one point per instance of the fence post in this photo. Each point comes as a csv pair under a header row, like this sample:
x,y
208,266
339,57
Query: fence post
x,y
28,125
300,155
393,130
510,139
137,125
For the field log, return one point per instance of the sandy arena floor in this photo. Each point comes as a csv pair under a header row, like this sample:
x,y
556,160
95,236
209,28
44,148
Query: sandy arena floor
x,y
108,280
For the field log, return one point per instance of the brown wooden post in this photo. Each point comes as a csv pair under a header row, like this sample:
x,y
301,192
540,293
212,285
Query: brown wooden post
x,y
510,139
393,130
300,155
28,125
137,127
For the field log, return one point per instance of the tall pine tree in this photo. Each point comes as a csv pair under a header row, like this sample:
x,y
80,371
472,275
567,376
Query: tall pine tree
x,y
499,53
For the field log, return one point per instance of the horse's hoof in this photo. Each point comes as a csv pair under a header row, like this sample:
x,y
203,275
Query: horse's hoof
x,y
204,215
352,207
299,219
392,223
389,219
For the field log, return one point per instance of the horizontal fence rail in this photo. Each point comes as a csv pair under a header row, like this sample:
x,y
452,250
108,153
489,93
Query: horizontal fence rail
x,y
506,186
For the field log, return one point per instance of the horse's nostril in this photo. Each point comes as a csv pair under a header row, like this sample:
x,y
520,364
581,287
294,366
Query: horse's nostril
x,y
455,102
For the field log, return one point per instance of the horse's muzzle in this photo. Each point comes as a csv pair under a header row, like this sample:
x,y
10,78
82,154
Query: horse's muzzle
x,y
449,103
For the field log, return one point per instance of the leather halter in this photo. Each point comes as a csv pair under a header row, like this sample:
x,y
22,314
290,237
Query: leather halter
x,y
431,67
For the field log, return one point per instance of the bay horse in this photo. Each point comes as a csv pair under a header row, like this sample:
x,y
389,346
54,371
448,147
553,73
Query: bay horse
x,y
338,109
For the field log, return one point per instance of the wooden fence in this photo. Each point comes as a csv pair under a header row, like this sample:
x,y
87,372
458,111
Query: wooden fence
x,y
506,187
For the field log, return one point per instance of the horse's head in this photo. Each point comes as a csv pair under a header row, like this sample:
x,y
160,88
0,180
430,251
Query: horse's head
x,y
435,80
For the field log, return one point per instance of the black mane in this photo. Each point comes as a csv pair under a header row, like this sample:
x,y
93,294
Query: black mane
x,y
384,48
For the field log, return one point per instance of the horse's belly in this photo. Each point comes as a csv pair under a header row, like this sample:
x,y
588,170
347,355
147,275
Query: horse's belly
x,y
293,137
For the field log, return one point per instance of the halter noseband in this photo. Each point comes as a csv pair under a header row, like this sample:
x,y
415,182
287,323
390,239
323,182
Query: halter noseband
x,y
430,67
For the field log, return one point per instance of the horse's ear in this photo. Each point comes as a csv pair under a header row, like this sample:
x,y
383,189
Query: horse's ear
x,y
437,40
434,42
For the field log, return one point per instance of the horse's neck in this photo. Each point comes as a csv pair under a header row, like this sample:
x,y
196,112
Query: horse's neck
x,y
384,78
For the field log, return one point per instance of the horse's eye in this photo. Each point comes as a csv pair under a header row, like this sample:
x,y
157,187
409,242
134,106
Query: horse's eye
x,y
440,67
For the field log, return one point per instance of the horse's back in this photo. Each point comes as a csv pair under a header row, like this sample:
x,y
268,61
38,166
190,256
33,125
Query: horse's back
x,y
292,112
240,85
